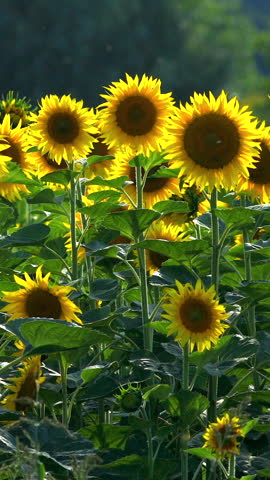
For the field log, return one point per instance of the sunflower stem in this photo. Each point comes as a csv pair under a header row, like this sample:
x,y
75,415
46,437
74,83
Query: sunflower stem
x,y
147,332
215,240
73,224
63,371
232,465
185,433
251,325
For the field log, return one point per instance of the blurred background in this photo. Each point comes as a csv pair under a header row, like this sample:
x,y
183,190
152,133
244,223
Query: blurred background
x,y
78,46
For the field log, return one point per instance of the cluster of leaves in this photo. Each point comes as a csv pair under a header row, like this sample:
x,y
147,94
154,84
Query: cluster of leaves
x,y
107,437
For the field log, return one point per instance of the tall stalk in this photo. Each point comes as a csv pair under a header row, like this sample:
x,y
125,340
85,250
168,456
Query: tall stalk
x,y
213,380
63,372
73,224
147,332
185,434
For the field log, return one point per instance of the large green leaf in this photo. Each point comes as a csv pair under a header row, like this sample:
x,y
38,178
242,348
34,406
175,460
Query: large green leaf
x,y
117,183
107,436
170,206
176,250
27,235
43,331
202,453
16,175
61,176
235,216
131,223
98,158
187,406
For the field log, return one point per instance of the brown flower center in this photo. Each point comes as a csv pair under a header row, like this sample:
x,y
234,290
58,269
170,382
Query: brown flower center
x,y
151,184
99,148
261,174
157,259
54,164
27,391
13,151
41,303
212,140
195,315
136,115
63,127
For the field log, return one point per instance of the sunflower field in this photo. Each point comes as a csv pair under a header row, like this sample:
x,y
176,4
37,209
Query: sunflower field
x,y
135,287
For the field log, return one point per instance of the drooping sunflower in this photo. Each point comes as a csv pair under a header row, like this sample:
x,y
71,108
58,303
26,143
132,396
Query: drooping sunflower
x,y
258,183
25,386
212,140
222,437
160,230
63,128
14,146
17,107
195,315
155,189
135,114
38,299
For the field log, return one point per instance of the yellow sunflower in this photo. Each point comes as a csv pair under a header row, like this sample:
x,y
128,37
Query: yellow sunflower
x,y
135,114
221,437
102,169
195,315
25,386
45,164
258,183
161,231
212,140
63,128
155,189
38,299
13,147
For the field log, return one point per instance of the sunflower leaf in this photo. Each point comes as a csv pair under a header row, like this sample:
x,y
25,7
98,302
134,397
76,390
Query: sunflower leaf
x,y
131,223
176,250
116,183
98,158
170,206
27,235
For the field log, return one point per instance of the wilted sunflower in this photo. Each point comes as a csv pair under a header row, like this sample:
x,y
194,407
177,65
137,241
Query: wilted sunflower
x,y
195,315
135,114
63,128
212,140
258,183
38,299
162,231
14,148
155,189
25,386
221,437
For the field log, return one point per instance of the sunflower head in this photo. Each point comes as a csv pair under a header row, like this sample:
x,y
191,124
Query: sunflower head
x,y
38,299
130,398
212,141
195,315
161,230
25,386
63,128
257,185
135,114
18,108
222,437
155,189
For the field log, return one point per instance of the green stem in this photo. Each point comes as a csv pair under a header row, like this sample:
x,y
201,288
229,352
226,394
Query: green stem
x,y
73,224
150,457
251,317
63,372
215,241
147,332
213,381
232,465
185,434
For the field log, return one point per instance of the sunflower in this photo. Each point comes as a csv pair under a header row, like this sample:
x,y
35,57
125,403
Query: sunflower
x,y
135,114
155,189
38,299
195,315
101,149
258,183
212,140
18,108
14,148
45,164
162,231
221,437
63,128
25,386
